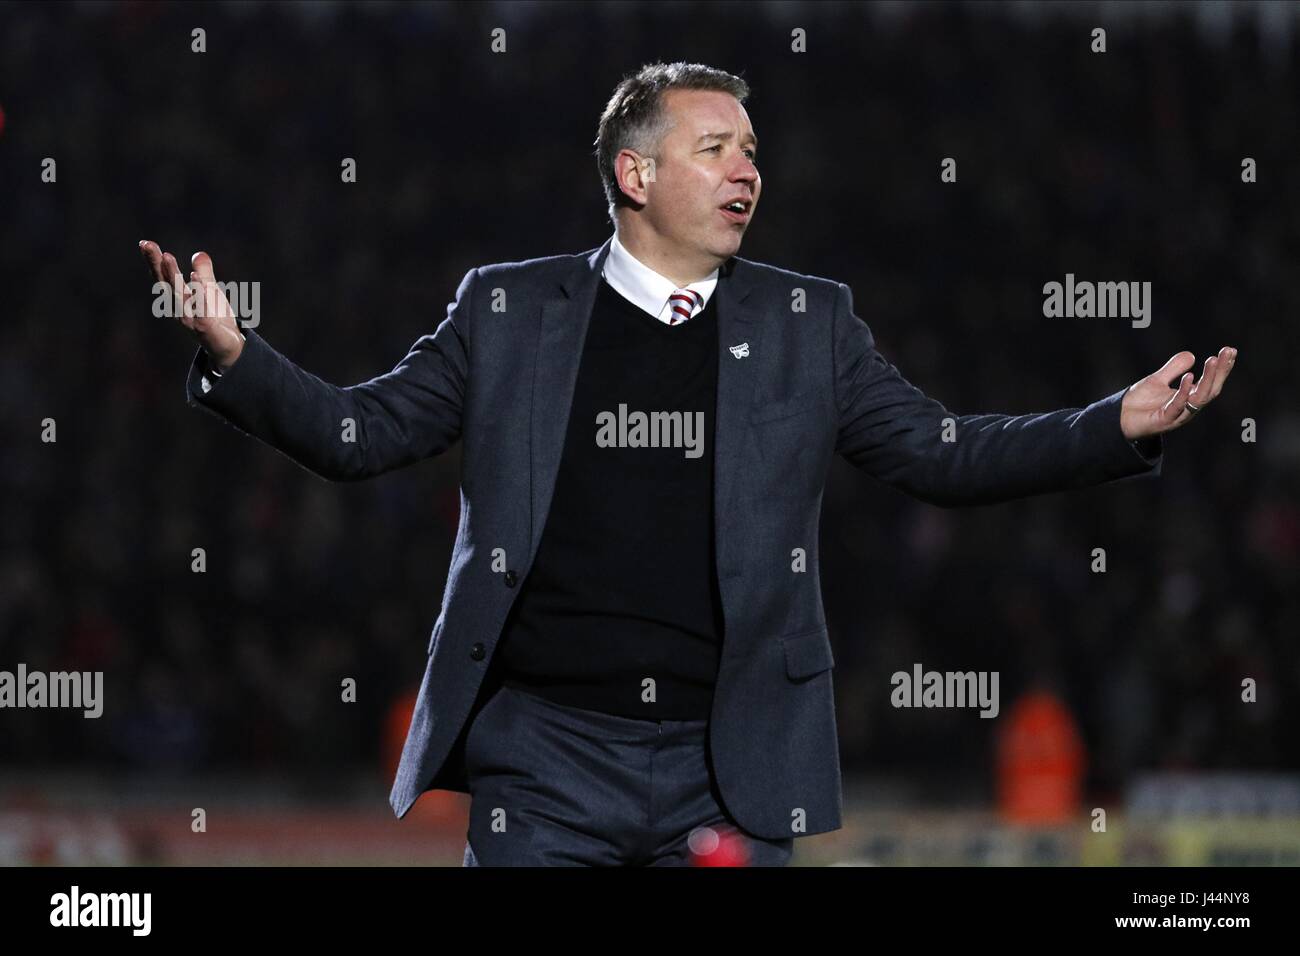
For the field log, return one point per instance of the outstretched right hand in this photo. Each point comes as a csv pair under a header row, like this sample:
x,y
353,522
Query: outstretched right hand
x,y
199,305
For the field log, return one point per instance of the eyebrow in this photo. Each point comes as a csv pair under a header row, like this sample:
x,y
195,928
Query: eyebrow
x,y
751,137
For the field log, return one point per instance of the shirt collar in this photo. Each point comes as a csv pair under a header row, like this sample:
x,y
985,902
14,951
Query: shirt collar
x,y
645,288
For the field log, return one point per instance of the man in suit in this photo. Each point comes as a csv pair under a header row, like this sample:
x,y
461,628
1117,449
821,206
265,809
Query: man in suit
x,y
628,668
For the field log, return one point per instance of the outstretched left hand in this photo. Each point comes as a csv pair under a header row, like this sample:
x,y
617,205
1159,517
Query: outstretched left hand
x,y
1153,406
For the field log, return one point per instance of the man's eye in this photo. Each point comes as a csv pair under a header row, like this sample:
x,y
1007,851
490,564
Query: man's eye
x,y
753,157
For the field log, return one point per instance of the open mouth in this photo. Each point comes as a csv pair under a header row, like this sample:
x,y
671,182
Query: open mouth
x,y
737,210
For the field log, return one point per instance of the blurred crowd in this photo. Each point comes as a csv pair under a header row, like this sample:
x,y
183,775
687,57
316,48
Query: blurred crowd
x,y
1117,166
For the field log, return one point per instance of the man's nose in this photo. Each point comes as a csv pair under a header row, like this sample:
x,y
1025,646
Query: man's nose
x,y
744,171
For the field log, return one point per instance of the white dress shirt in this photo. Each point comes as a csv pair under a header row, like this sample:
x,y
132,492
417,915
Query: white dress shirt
x,y
645,288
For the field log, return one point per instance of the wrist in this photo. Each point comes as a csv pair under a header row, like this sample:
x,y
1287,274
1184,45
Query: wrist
x,y
220,367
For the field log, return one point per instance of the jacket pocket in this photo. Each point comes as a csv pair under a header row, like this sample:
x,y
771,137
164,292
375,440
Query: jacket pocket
x,y
807,653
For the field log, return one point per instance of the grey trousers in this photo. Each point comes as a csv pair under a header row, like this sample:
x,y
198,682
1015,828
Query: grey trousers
x,y
552,785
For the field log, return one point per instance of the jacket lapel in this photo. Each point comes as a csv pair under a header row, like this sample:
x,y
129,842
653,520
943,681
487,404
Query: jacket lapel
x,y
563,331
739,328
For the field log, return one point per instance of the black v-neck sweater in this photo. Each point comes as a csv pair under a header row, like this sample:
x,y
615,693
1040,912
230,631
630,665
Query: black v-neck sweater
x,y
620,612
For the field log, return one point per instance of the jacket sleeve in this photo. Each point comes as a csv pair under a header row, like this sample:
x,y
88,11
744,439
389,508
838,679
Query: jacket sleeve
x,y
404,416
893,431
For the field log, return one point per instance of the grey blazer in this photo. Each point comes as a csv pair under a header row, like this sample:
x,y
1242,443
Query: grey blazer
x,y
794,388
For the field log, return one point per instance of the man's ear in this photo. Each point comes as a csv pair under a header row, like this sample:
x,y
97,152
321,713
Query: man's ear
x,y
634,174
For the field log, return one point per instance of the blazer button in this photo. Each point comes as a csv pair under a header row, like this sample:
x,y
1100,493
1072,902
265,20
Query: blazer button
x,y
511,578
477,652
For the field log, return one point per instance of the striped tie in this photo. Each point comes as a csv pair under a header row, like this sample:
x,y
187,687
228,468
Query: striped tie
x,y
685,303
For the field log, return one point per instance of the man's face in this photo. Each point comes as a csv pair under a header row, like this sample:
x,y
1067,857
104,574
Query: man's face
x,y
706,160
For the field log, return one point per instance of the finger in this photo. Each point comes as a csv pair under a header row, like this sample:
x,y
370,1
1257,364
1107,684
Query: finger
x,y
1168,373
202,264
154,252
205,282
212,302
180,293
208,299
1200,396
153,255
171,273
1228,358
198,308
1177,405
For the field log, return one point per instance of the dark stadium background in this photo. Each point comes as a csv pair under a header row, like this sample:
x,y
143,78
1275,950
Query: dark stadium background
x,y
222,688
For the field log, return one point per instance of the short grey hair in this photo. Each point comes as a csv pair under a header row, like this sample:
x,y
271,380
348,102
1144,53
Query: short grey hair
x,y
635,118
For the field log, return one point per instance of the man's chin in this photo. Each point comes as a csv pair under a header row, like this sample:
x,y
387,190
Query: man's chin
x,y
728,247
